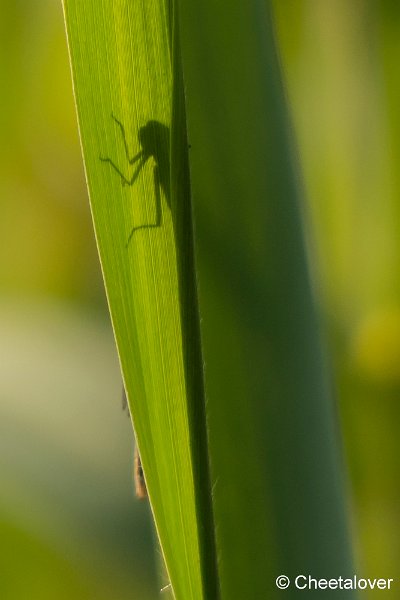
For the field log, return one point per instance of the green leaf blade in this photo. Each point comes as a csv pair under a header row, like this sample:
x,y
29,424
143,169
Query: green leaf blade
x,y
122,66
278,496
253,402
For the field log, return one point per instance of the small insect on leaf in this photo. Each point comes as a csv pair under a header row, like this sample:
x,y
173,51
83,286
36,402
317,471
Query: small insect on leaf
x,y
138,475
140,483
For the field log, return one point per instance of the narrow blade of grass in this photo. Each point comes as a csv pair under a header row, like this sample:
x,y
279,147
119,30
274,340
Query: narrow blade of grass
x,y
278,496
123,71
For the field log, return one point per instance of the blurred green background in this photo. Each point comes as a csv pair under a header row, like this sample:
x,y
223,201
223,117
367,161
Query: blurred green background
x,y
69,523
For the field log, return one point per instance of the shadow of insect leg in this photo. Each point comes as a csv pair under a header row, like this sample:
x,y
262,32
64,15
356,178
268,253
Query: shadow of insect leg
x,y
157,195
122,128
125,180
157,187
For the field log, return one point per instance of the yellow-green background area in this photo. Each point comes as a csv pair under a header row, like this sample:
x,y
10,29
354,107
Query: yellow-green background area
x,y
69,524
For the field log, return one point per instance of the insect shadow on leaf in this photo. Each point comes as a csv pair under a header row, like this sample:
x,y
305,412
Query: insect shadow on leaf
x,y
154,142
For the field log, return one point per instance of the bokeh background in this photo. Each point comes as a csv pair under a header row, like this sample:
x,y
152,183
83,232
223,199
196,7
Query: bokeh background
x,y
69,524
